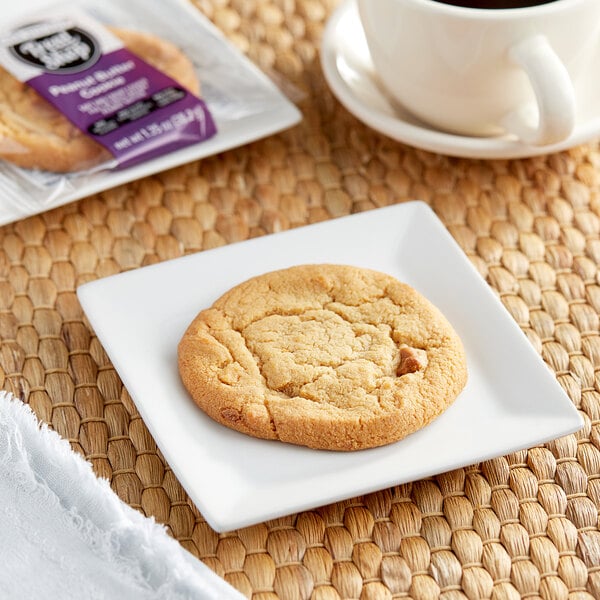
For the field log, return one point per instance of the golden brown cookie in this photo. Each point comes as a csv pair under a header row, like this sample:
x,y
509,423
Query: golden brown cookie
x,y
326,356
35,135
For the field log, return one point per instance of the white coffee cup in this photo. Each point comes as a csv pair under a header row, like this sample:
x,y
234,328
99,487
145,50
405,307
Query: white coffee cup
x,y
485,72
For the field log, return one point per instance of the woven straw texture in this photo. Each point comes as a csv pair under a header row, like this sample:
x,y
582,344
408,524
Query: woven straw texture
x,y
519,526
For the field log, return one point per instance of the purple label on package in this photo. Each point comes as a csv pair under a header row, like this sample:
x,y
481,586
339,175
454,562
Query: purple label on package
x,y
135,111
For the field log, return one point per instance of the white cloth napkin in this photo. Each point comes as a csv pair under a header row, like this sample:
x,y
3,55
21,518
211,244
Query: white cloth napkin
x,y
64,534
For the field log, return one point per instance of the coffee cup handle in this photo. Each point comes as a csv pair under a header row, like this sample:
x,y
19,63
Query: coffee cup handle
x,y
553,90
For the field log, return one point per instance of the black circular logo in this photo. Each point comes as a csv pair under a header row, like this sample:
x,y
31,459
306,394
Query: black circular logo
x,y
64,51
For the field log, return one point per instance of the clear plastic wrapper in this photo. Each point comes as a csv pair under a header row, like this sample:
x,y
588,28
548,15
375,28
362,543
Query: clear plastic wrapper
x,y
234,96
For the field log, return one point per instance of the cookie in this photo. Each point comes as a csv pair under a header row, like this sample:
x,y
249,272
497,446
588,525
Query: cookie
x,y
327,356
35,135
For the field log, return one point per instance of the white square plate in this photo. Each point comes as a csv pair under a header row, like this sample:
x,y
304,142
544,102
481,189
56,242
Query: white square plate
x,y
512,400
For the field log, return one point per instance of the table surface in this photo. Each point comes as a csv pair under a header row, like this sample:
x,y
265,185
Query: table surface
x,y
522,525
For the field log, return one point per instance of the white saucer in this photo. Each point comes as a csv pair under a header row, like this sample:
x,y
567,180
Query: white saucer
x,y
349,72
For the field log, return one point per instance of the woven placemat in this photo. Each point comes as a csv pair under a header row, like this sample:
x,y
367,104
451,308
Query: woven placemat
x,y
519,526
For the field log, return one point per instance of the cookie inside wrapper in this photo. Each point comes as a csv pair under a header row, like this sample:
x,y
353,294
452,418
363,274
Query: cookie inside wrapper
x,y
133,110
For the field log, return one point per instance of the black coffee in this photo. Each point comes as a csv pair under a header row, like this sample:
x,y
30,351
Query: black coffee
x,y
495,3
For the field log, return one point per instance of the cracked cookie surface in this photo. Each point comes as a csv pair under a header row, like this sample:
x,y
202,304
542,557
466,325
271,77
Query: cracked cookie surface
x,y
327,356
35,135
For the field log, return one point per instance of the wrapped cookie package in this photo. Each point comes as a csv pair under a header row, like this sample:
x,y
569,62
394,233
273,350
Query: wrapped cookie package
x,y
97,94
